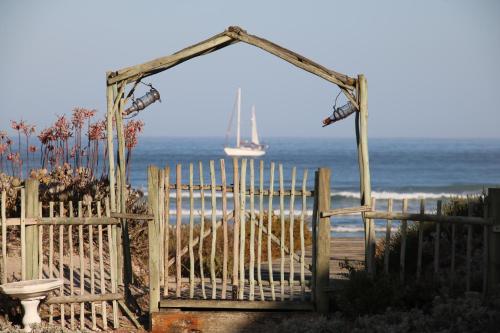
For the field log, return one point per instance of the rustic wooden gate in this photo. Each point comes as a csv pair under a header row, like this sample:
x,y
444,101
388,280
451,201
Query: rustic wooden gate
x,y
227,242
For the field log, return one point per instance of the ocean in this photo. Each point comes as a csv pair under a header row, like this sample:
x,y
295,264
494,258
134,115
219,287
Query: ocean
x,y
432,169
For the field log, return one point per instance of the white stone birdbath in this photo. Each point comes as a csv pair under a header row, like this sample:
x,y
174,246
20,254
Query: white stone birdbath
x,y
30,293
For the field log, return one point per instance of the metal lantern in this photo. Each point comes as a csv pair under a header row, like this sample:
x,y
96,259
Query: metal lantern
x,y
141,103
340,113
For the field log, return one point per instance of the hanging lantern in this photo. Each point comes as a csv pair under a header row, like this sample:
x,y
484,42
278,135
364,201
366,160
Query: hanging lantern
x,y
340,113
143,102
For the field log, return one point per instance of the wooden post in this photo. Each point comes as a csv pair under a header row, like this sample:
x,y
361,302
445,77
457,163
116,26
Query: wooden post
x,y
494,239
322,258
31,230
109,137
364,169
125,271
154,255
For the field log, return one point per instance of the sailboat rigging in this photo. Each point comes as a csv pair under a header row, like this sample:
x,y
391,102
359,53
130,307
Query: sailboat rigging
x,y
244,148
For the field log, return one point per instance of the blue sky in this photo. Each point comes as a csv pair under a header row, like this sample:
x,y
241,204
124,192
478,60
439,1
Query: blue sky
x,y
432,66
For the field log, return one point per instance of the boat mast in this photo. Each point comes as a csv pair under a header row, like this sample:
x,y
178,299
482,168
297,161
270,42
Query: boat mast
x,y
238,116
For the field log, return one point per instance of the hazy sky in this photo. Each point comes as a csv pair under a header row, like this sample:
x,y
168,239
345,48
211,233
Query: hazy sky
x,y
432,66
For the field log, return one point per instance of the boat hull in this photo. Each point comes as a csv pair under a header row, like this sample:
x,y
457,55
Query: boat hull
x,y
244,152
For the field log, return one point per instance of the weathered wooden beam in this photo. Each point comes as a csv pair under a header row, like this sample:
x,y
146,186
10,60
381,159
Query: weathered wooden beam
x,y
84,298
429,218
345,82
230,189
345,211
230,36
62,221
163,63
296,59
322,258
235,305
130,216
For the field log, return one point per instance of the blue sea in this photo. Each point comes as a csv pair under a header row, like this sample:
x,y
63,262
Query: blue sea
x,y
432,169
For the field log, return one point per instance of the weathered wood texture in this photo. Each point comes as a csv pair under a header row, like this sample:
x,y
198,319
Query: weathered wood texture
x,y
69,251
230,36
252,226
322,274
220,321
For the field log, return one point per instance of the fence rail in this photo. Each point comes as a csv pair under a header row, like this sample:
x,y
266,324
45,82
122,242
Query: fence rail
x,y
457,241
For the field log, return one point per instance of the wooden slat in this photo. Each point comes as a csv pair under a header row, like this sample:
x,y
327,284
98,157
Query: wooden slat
x,y
4,237
224,229
161,225
23,235
291,237
178,245
82,267
92,268
51,258
282,233
269,232
485,250
243,175
387,238
453,254
251,268
437,239
191,227
104,309
214,231
302,240
261,226
166,240
71,269
468,260
420,240
236,227
202,232
61,262
40,245
113,263
404,231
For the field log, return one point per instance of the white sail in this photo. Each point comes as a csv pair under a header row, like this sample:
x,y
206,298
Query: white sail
x,y
255,136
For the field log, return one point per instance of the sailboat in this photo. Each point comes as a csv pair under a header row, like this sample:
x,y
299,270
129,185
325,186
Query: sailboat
x,y
252,148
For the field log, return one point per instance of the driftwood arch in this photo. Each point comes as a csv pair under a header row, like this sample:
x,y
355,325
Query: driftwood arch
x,y
355,89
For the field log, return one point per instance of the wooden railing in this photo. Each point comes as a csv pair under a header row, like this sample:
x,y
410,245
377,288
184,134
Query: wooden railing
x,y
75,243
488,245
